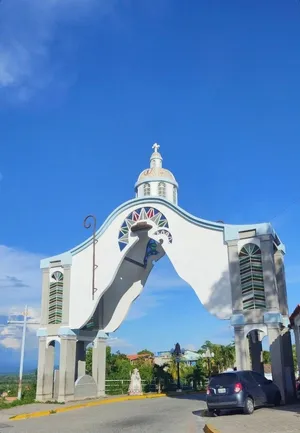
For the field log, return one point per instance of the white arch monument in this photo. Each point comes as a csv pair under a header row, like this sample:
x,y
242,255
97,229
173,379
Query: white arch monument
x,y
237,272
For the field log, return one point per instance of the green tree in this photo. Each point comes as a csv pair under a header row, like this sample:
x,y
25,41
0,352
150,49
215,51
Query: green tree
x,y
198,375
89,361
295,358
224,357
266,357
145,352
162,377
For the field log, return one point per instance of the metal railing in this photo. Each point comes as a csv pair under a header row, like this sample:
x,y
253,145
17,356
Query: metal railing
x,y
121,386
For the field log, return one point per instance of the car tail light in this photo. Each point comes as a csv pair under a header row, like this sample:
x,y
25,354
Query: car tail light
x,y
238,387
208,391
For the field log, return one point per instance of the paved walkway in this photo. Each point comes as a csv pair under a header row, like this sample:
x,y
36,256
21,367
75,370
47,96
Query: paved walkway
x,y
285,419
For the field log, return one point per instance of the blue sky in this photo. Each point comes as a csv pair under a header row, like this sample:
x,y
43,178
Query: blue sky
x,y
86,88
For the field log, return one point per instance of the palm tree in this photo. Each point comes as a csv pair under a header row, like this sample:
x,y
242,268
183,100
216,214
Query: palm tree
x,y
161,376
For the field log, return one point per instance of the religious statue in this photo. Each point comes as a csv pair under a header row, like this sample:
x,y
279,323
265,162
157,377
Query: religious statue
x,y
135,387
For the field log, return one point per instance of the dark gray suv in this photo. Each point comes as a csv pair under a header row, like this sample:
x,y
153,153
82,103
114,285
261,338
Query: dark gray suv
x,y
244,390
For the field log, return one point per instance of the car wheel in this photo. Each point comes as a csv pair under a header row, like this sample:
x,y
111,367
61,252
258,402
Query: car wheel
x,y
248,406
277,399
218,412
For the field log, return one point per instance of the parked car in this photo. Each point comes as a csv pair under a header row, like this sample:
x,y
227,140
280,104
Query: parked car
x,y
244,390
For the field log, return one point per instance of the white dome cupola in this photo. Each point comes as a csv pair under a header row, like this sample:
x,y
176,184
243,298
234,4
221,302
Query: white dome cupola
x,y
157,181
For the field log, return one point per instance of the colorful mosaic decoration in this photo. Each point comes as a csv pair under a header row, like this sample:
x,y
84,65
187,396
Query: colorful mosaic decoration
x,y
252,280
165,232
151,250
141,214
56,298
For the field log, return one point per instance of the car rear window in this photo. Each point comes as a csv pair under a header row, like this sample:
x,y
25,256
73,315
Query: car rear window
x,y
223,379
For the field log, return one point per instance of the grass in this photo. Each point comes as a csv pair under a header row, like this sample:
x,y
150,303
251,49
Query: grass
x,y
5,405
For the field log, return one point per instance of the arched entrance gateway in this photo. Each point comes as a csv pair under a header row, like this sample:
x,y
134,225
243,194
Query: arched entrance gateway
x,y
236,271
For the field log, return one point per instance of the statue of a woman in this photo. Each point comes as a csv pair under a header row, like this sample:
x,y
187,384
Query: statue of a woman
x,y
135,387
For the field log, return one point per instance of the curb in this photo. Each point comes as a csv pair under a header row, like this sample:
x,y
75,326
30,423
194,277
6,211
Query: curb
x,y
24,416
208,428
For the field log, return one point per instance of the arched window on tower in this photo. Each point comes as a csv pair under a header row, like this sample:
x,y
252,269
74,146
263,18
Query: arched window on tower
x,y
174,195
252,280
56,298
162,189
147,189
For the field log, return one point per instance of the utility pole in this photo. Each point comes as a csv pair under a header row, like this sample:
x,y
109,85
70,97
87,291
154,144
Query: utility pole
x,y
24,323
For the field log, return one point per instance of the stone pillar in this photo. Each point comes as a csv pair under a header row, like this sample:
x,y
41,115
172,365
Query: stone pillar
x,y
288,363
241,349
67,368
281,283
276,351
80,360
270,284
235,279
44,388
99,362
255,348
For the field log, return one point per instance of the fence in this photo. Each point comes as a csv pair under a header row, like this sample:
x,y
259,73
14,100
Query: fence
x,y
112,387
121,386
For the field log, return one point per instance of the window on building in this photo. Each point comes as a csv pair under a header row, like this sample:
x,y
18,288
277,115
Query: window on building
x,y
56,298
162,189
147,189
174,195
252,281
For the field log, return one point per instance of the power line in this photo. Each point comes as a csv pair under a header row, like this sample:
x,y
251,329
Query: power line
x,y
285,209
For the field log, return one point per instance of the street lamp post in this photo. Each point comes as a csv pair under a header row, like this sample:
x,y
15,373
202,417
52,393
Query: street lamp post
x,y
177,352
88,225
208,354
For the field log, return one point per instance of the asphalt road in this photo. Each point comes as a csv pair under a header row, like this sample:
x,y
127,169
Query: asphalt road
x,y
163,415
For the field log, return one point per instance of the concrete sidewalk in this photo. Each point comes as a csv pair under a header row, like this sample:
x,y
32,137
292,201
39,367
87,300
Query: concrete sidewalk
x,y
36,410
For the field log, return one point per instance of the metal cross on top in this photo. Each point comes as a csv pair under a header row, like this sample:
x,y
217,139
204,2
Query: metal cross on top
x,y
155,147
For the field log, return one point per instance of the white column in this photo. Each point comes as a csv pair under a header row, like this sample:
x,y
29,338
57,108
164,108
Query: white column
x,y
270,283
67,368
235,279
276,351
66,295
99,362
241,349
281,283
44,388
45,297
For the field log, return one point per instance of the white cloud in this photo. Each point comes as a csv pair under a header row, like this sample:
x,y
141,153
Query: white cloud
x,y
119,344
20,281
10,343
20,284
11,337
28,28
